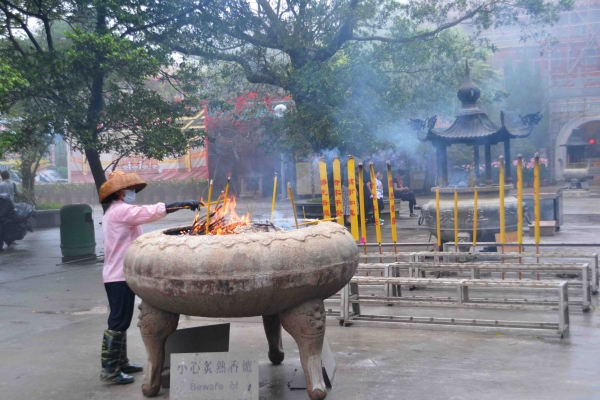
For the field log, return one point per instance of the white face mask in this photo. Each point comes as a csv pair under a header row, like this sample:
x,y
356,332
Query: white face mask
x,y
129,196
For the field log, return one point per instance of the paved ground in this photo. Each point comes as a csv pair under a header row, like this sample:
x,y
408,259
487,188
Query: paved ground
x,y
52,317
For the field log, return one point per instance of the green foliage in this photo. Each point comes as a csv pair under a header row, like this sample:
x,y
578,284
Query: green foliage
x,y
85,67
48,206
354,69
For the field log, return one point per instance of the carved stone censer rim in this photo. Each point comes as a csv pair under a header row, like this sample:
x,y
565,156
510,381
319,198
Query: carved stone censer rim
x,y
282,276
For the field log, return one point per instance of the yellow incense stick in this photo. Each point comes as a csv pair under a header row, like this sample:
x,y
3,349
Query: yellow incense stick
x,y
352,198
219,200
361,193
291,193
455,218
316,221
227,188
475,215
337,191
392,205
210,187
536,196
375,204
274,196
437,218
520,201
324,188
502,209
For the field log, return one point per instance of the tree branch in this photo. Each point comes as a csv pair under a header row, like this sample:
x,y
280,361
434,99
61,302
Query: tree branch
x,y
11,37
251,76
23,26
423,35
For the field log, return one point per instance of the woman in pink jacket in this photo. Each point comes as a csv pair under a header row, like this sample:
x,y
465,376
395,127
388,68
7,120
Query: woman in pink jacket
x,y
121,226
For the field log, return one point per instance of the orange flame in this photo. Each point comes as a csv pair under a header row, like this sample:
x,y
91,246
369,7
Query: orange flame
x,y
224,221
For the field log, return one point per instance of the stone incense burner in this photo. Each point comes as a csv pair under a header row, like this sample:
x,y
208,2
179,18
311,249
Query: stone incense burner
x,y
282,276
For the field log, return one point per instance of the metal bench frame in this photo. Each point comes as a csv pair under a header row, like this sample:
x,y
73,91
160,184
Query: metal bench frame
x,y
350,302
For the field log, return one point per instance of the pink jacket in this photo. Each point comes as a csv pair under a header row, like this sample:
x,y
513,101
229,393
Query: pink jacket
x,y
121,226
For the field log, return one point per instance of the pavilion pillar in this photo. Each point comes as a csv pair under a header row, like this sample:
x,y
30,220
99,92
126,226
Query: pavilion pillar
x,y
476,162
488,164
507,163
444,166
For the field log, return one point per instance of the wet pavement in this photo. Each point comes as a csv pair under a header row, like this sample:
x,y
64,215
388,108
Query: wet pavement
x,y
52,316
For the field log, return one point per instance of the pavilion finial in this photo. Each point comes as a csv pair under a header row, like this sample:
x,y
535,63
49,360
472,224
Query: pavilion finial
x,y
468,93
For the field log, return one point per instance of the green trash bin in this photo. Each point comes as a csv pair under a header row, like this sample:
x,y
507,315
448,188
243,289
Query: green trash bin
x,y
77,237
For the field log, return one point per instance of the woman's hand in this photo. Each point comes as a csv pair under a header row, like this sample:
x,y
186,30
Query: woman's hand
x,y
179,205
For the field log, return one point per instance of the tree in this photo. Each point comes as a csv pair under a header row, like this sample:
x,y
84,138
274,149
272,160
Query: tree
x,y
30,136
309,48
83,67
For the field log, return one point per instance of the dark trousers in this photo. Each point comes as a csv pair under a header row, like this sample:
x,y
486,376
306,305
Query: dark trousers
x,y
370,209
406,195
121,300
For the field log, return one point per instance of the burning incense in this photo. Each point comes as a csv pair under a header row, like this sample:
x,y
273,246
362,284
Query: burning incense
x,y
221,196
455,219
361,193
352,198
291,193
520,202
475,214
227,188
274,196
210,187
375,204
337,191
324,188
317,221
392,205
502,210
437,218
536,201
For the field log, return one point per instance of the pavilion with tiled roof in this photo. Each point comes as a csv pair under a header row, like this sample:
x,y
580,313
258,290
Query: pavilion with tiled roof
x,y
472,126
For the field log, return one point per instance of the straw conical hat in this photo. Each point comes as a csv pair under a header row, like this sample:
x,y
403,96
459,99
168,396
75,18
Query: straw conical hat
x,y
118,180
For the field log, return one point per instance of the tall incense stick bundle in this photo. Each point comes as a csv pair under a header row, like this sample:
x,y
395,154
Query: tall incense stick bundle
x,y
274,196
291,193
210,188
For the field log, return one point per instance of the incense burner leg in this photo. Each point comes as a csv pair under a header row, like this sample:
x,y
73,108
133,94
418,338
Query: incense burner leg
x,y
306,324
272,325
155,326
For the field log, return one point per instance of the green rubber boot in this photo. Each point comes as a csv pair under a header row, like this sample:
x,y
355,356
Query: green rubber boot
x,y
126,366
112,344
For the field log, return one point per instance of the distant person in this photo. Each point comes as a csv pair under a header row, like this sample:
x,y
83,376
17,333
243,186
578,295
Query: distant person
x,y
377,195
404,193
7,186
121,226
